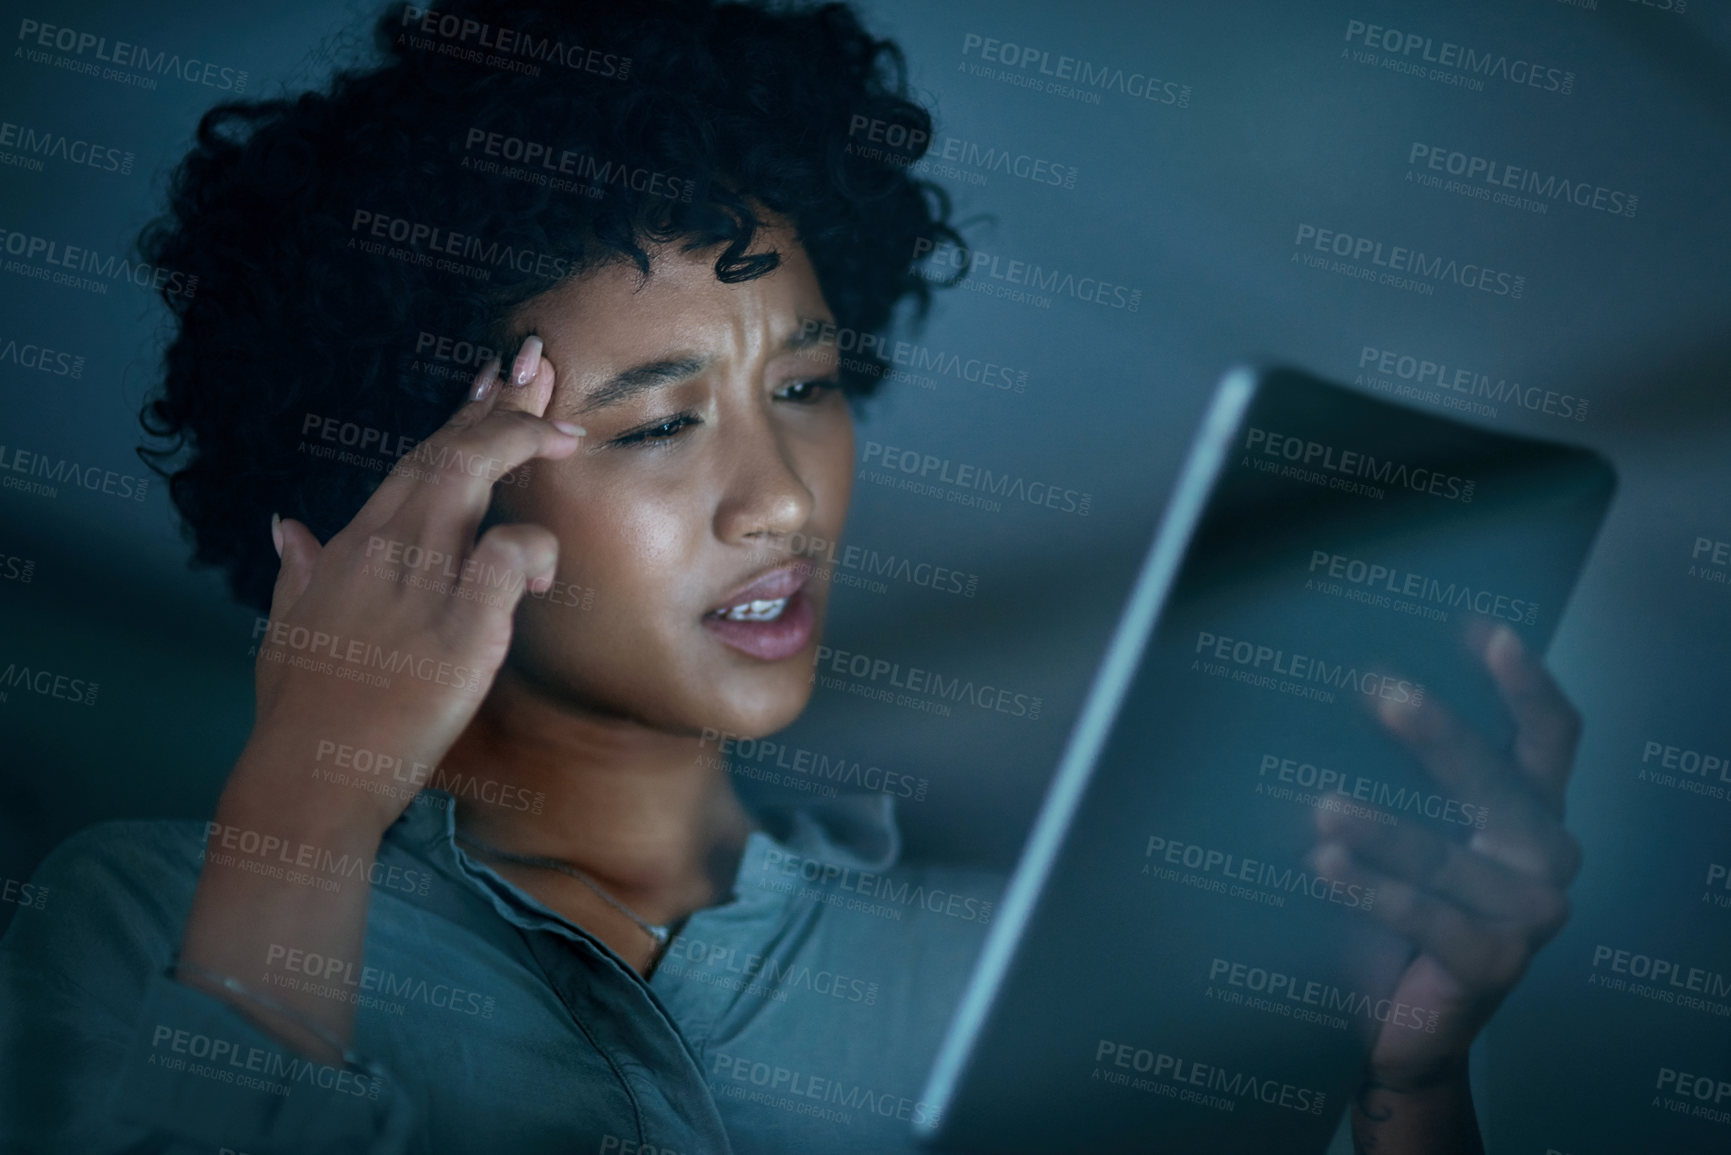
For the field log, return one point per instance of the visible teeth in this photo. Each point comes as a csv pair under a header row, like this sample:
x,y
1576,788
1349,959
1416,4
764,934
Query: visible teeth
x,y
756,611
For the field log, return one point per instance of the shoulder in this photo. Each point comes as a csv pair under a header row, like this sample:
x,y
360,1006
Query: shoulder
x,y
114,896
846,853
112,861
964,893
945,907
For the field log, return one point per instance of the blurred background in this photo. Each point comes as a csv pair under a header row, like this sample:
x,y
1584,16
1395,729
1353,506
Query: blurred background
x,y
1191,195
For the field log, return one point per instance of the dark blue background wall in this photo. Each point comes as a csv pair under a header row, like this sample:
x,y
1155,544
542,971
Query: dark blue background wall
x,y
1278,120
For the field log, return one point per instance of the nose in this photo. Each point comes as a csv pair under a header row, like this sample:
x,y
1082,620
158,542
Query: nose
x,y
762,497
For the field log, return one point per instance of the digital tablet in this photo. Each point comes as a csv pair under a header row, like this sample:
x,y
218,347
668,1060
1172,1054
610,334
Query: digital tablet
x,y
1165,973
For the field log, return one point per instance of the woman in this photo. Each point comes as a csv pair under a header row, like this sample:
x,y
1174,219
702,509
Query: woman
x,y
479,880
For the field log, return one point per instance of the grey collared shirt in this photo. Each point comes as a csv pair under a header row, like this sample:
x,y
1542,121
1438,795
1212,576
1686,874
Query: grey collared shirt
x,y
800,1015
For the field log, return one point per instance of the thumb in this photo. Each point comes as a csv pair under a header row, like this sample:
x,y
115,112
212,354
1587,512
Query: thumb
x,y
299,551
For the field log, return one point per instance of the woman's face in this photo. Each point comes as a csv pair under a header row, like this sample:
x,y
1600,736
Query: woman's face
x,y
718,448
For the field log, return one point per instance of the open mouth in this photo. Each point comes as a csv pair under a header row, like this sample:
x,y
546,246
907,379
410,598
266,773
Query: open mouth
x,y
770,618
756,610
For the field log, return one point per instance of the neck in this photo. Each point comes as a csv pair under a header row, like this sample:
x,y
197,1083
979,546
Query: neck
x,y
638,810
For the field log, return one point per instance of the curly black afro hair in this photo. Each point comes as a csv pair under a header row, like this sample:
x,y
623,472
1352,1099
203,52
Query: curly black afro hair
x,y
345,240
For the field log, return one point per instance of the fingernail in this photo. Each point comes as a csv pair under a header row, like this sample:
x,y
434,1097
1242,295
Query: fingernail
x,y
276,532
1330,859
1404,718
484,380
568,427
1505,645
528,362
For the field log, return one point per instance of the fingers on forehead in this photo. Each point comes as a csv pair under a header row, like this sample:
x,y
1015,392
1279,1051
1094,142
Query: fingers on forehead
x,y
534,396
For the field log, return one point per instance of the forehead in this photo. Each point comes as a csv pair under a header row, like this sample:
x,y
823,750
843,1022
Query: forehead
x,y
612,313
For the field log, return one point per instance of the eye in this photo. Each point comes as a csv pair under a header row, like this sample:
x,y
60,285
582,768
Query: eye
x,y
660,431
806,391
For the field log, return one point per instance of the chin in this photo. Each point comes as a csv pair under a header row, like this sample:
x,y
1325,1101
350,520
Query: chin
x,y
771,706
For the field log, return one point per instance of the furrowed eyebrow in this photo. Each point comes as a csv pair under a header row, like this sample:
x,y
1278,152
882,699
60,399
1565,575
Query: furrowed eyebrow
x,y
810,332
654,374
640,379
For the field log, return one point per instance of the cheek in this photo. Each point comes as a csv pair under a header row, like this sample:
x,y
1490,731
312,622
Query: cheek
x,y
625,541
637,550
829,468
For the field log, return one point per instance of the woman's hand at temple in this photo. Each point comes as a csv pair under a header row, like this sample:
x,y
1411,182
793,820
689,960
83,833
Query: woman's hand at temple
x,y
406,595
380,647
1478,911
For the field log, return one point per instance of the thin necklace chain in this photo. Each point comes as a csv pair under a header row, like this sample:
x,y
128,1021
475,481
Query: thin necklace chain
x,y
659,933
